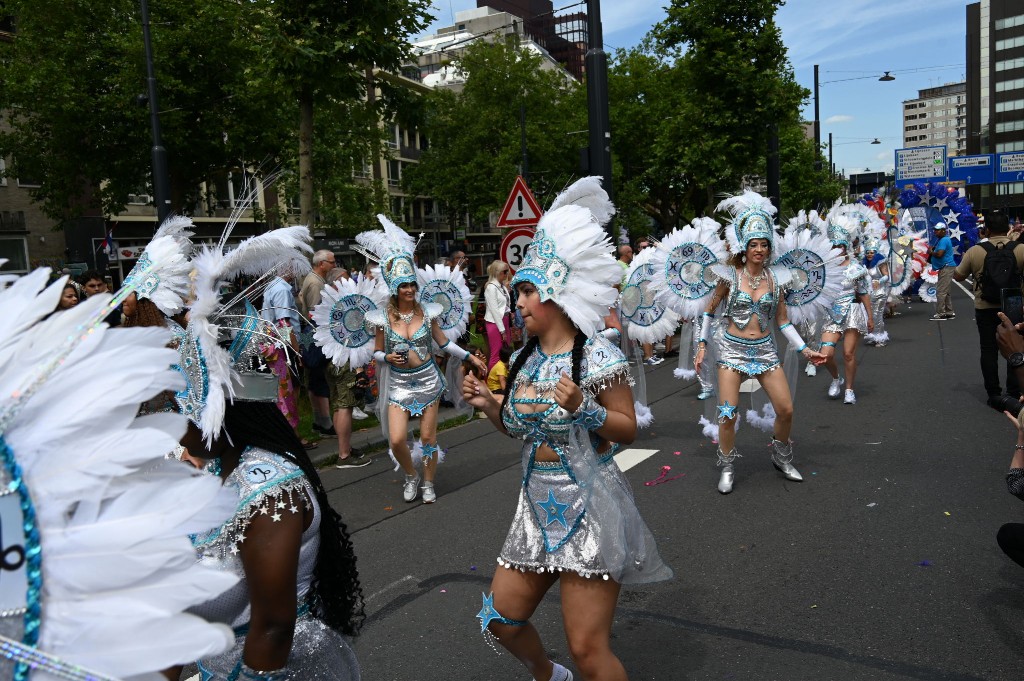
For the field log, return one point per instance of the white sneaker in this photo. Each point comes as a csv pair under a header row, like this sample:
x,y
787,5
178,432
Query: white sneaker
x,y
811,370
850,398
411,488
835,388
358,414
429,495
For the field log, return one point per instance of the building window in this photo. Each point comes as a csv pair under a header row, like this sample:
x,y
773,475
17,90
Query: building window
x,y
1010,64
1005,188
1010,22
1016,84
1010,43
1010,146
911,117
1010,126
15,250
1013,105
394,173
362,171
29,182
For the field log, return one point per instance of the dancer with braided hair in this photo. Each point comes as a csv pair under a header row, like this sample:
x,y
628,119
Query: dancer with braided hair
x,y
569,399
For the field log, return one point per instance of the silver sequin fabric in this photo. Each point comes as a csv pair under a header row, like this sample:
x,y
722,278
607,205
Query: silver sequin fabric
x,y
847,311
415,389
748,357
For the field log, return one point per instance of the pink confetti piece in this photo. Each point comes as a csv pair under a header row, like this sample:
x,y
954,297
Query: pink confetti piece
x,y
662,478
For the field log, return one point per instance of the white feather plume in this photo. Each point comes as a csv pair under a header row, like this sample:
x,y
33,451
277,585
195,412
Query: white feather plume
x,y
703,232
593,274
377,244
685,374
588,193
327,328
644,415
118,569
444,286
764,421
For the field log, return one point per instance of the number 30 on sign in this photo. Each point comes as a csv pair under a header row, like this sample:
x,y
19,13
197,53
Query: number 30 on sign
x,y
513,246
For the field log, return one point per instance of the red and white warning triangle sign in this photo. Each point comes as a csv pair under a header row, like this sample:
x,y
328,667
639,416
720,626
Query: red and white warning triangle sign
x,y
521,209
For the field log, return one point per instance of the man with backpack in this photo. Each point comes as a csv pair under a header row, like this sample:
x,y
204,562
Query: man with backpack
x,y
993,265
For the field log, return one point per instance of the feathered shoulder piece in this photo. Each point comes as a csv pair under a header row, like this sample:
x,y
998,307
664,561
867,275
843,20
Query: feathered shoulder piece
x,y
588,193
162,271
681,266
809,265
752,217
570,262
650,320
446,287
340,320
104,572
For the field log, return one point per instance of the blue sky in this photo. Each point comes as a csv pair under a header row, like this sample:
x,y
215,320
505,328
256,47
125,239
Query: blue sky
x,y
848,39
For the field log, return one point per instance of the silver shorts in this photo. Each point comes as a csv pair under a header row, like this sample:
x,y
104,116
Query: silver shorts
x,y
416,389
746,356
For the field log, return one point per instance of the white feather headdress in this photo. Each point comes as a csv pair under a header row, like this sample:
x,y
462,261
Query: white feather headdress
x,y
570,261
682,278
206,365
753,217
162,271
808,220
393,249
108,568
589,193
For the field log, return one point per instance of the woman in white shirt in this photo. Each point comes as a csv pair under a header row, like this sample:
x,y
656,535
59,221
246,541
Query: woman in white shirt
x,y
498,303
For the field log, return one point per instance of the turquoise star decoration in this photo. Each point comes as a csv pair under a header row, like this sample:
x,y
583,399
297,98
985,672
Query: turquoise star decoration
x,y
416,407
429,451
555,510
487,613
726,411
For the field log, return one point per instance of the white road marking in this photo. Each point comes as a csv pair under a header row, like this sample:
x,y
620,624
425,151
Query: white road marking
x,y
964,289
389,587
628,458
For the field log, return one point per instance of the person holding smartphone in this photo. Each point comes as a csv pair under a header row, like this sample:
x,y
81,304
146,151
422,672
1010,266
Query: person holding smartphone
x,y
987,305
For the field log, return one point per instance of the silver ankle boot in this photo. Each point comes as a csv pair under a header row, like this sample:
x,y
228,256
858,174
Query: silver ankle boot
x,y
725,462
782,459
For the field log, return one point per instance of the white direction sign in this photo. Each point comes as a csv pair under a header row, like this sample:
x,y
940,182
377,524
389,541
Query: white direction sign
x,y
921,164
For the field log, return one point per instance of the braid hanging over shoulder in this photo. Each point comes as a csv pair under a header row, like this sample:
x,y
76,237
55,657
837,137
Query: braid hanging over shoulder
x,y
513,371
577,355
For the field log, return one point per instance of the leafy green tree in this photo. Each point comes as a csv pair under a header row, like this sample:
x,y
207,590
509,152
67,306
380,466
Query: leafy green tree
x,y
474,153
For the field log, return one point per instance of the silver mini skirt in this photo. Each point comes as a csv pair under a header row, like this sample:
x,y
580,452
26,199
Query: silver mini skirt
x,y
856,318
416,389
551,531
746,356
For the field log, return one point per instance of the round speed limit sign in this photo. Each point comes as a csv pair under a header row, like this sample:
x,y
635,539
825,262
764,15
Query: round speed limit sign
x,y
513,246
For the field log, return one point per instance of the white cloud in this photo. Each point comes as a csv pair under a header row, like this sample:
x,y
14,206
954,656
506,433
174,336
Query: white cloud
x,y
884,156
840,118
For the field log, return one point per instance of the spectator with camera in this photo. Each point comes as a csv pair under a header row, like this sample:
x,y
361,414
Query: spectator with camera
x,y
992,270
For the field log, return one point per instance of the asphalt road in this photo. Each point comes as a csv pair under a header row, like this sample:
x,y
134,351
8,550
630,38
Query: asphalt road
x,y
881,565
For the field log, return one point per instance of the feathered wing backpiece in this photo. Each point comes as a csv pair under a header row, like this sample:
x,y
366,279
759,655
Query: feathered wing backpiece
x,y
205,365
108,568
650,320
340,316
681,262
816,277
446,287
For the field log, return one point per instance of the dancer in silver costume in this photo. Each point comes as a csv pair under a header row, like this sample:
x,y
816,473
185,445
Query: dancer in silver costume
x,y
878,271
851,315
568,399
753,297
411,383
298,596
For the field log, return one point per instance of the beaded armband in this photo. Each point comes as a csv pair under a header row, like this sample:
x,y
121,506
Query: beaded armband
x,y
247,672
590,414
828,344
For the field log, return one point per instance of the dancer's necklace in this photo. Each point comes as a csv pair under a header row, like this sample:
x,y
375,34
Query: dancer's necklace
x,y
755,282
405,317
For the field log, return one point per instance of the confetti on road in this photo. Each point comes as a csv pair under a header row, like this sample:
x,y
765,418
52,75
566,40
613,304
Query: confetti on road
x,y
662,479
872,504
813,607
947,513
924,563
677,453
387,508
472,567
444,591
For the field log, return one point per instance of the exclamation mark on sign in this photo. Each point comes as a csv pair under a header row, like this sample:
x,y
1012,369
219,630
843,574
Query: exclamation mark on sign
x,y
519,200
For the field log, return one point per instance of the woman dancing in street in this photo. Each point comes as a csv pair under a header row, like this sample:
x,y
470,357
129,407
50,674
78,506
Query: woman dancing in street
x,y
568,398
753,294
851,315
406,333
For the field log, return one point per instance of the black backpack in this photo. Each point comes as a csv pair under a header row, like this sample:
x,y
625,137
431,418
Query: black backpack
x,y
999,271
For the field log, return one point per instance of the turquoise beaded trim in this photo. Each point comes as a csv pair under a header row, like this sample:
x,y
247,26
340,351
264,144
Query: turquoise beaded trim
x,y
33,556
38,660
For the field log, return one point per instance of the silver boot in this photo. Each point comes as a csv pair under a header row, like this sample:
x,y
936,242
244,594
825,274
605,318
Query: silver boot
x,y
782,459
725,462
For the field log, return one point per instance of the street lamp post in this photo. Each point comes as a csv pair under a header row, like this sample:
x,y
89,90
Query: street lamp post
x,y
597,98
161,183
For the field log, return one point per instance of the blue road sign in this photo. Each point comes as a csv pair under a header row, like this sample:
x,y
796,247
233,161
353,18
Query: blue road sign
x,y
1010,167
979,169
920,164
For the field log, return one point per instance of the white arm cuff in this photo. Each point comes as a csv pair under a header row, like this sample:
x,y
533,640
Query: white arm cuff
x,y
612,334
379,355
705,327
793,336
455,351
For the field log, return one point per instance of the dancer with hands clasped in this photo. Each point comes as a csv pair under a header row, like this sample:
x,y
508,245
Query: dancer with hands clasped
x,y
751,292
568,398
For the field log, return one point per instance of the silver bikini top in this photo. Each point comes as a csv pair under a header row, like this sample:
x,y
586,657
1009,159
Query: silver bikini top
x,y
741,307
422,339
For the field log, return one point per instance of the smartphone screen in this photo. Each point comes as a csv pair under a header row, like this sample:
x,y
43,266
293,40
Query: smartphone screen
x,y
1013,305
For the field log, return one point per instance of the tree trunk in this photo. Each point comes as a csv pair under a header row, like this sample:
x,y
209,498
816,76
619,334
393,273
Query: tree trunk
x,y
306,156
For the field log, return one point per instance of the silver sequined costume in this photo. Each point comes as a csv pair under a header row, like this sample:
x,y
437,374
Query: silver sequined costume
x,y
847,311
750,357
411,389
576,514
879,299
269,484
